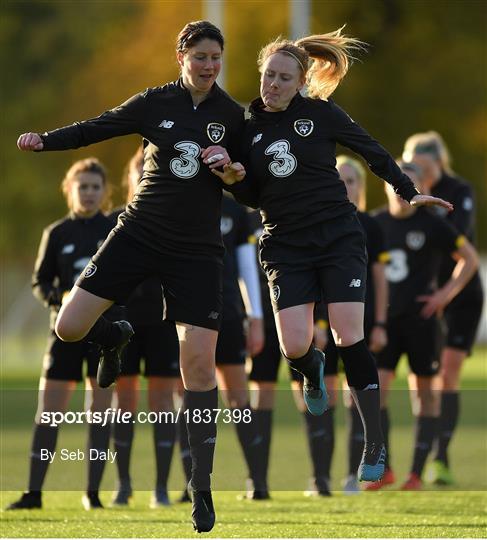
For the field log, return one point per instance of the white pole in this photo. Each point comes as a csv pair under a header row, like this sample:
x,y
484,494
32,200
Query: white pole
x,y
213,11
300,14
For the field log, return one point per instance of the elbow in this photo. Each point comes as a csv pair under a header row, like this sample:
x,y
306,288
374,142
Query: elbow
x,y
475,262
473,258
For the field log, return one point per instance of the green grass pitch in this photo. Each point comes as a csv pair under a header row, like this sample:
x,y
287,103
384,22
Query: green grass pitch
x,y
433,512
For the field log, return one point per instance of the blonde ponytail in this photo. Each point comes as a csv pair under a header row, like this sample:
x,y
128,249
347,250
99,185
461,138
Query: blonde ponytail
x,y
331,55
323,59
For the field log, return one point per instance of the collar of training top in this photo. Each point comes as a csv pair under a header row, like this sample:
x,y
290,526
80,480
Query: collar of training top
x,y
214,91
74,217
256,108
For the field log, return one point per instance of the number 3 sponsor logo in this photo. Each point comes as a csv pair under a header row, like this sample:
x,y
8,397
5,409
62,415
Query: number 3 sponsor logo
x,y
397,270
285,162
187,164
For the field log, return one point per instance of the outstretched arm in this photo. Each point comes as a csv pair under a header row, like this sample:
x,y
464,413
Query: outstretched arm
x,y
30,142
428,200
122,120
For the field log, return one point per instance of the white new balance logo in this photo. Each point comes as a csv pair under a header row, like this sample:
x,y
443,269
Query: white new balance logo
x,y
168,124
355,283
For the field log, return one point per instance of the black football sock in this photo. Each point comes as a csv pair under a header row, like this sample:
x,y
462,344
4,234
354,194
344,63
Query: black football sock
x,y
263,417
43,441
184,447
321,441
251,443
355,440
201,435
425,434
386,426
104,333
164,438
98,442
123,436
363,381
450,410
306,364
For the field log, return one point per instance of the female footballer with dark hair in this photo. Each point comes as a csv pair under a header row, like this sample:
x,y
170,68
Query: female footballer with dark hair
x,y
66,247
170,230
241,333
155,343
313,244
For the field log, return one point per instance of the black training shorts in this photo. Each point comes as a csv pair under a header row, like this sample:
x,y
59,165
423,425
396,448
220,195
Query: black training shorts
x,y
326,261
462,318
192,287
420,339
158,346
231,344
64,361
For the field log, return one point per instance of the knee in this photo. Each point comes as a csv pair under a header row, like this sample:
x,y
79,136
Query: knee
x,y
450,380
127,403
349,337
198,370
384,398
161,402
428,403
67,330
262,395
237,399
295,347
202,379
385,379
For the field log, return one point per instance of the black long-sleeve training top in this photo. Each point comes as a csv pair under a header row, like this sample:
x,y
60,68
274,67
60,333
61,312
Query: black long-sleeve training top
x,y
66,248
415,245
176,208
291,163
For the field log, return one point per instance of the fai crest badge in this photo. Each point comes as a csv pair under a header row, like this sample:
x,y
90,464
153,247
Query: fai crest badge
x,y
89,270
415,240
215,132
275,292
304,127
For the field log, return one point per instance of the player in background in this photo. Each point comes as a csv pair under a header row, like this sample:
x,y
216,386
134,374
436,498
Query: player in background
x,y
463,314
352,173
170,230
155,344
313,246
264,372
66,247
416,241
241,333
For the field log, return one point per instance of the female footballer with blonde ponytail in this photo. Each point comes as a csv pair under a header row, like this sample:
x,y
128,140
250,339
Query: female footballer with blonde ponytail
x,y
313,245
